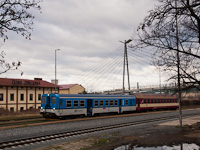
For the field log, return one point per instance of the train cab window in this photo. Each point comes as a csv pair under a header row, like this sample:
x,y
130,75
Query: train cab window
x,y
96,103
69,104
82,103
75,103
44,100
126,102
116,103
101,103
111,102
53,100
106,102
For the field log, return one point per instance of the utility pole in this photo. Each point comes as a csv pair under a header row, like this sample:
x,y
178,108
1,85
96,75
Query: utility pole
x,y
55,69
125,64
178,67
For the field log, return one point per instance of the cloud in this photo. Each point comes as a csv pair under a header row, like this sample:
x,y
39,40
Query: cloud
x,y
85,32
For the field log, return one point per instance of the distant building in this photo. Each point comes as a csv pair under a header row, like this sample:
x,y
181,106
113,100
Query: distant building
x,y
21,94
71,89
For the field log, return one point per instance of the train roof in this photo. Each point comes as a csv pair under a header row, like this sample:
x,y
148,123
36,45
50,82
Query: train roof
x,y
139,95
89,95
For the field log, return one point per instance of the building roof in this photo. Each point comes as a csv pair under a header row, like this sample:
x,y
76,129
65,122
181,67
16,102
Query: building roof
x,y
66,86
37,82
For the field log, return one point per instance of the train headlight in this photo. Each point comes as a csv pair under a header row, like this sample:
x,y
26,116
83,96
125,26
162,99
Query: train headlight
x,y
53,109
41,108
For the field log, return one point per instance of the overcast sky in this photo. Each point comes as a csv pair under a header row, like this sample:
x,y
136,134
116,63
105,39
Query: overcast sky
x,y
87,32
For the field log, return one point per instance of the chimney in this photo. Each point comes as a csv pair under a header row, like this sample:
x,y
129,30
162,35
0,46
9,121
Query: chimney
x,y
53,81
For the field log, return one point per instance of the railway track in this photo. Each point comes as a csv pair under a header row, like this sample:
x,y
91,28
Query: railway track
x,y
65,135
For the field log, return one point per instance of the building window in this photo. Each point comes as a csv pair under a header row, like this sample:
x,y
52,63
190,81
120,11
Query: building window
x,y
21,97
1,96
39,97
21,108
11,97
31,97
12,109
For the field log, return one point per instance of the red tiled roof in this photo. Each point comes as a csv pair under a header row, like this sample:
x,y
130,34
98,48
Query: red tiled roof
x,y
24,82
66,86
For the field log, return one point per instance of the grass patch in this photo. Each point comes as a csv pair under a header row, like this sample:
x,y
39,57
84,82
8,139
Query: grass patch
x,y
102,141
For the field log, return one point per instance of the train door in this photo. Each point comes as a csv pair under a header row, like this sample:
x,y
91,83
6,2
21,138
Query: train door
x,y
48,103
89,107
120,106
60,106
138,104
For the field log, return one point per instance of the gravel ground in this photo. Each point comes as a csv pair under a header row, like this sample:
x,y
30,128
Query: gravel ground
x,y
123,135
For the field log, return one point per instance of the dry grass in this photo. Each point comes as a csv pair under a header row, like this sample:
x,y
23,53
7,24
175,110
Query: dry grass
x,y
25,114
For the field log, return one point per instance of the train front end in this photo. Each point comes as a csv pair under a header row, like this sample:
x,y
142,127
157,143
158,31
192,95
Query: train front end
x,y
49,108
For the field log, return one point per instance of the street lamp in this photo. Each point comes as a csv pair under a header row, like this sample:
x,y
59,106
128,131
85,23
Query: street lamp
x,y
125,59
55,68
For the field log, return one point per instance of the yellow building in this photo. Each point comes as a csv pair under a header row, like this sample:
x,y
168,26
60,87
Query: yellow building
x,y
20,94
71,89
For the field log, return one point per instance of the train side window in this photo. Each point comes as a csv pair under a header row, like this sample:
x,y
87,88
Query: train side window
x,y
69,104
144,101
106,102
82,103
53,100
76,103
116,102
96,103
126,102
148,100
111,102
44,100
101,103
151,100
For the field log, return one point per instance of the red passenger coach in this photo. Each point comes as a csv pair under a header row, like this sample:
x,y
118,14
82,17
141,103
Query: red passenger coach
x,y
155,102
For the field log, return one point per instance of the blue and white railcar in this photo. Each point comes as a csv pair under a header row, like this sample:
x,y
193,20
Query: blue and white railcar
x,y
86,105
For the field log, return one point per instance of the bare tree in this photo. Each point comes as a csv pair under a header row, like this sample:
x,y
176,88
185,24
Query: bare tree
x,y
158,33
15,15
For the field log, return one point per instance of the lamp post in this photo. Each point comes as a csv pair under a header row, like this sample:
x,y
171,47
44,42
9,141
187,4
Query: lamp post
x,y
55,68
125,60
